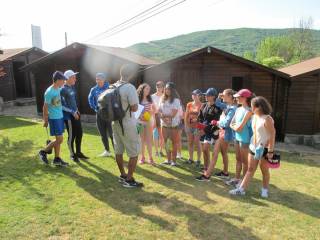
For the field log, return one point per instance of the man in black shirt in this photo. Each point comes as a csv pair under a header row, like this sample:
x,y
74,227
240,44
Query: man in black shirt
x,y
208,112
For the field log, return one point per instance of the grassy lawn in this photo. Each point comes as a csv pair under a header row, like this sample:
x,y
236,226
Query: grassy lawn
x,y
85,201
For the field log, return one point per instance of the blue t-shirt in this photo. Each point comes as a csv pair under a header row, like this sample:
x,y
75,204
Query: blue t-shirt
x,y
246,133
53,99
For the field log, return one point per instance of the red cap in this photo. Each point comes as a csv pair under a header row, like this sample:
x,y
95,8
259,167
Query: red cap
x,y
246,93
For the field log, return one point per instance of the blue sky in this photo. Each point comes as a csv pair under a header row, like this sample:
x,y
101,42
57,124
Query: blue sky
x,y
84,19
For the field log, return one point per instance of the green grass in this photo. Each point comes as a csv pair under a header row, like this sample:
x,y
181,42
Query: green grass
x,y
85,201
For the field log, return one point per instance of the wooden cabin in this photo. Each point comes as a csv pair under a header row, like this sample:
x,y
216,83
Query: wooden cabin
x,y
212,67
13,82
87,60
304,97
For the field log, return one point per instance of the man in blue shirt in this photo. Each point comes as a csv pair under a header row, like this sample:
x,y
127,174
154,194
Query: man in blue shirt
x,y
71,116
104,127
53,116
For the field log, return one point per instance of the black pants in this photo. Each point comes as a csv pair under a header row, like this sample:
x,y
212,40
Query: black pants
x,y
75,133
105,130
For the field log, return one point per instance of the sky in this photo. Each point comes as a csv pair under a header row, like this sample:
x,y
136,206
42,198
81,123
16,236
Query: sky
x,y
83,19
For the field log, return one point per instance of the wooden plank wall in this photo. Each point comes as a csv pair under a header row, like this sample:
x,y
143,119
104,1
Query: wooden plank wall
x,y
7,84
302,105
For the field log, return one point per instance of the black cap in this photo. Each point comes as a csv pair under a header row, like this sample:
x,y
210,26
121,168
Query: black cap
x,y
57,75
170,85
211,92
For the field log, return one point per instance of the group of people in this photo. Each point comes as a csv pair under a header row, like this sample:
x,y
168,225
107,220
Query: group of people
x,y
211,125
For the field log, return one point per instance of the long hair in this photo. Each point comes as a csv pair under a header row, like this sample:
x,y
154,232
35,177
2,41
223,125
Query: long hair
x,y
140,93
263,104
174,94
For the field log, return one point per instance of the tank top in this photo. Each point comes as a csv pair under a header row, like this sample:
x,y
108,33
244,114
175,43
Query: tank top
x,y
260,134
147,108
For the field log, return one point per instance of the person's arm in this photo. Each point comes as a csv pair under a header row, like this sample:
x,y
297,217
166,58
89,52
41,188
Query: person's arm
x,y
201,115
65,98
227,120
220,104
269,124
133,99
92,100
186,117
239,127
45,114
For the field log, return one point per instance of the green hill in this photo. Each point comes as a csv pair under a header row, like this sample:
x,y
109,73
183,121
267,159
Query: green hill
x,y
235,41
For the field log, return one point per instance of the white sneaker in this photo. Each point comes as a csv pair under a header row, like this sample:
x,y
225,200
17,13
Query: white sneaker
x,y
173,164
105,154
237,191
264,192
233,182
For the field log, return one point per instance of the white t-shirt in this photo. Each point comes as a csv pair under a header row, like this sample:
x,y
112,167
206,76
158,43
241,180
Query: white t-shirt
x,y
166,108
156,100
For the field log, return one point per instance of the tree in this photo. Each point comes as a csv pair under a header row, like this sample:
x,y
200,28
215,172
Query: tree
x,y
303,39
249,55
274,62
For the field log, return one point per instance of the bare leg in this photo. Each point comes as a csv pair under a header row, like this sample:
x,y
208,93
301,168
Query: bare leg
x,y
215,154
190,145
253,164
119,160
142,137
206,154
197,142
58,142
175,139
148,140
132,167
165,133
244,159
265,173
224,151
239,161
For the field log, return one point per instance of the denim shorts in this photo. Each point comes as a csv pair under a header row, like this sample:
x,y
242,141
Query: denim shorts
x,y
56,127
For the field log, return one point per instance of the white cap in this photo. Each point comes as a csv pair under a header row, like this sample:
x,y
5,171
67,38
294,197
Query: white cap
x,y
69,73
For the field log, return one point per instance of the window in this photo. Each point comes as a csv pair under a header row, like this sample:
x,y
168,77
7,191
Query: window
x,y
237,83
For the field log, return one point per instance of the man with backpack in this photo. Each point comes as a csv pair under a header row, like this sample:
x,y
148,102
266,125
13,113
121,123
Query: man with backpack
x,y
117,104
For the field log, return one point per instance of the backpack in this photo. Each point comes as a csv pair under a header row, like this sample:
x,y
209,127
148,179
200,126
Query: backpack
x,y
109,105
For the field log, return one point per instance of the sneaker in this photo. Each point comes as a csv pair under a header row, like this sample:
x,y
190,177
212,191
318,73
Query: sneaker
x,y
222,175
264,192
105,154
189,161
141,161
43,156
59,162
232,182
132,184
198,163
167,162
151,162
237,191
74,158
122,178
203,178
82,156
173,164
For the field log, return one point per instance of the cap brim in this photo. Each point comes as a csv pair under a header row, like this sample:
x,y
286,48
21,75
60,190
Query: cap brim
x,y
236,95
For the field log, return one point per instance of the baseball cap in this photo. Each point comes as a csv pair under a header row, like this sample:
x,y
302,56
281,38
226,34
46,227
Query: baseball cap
x,y
57,75
70,73
170,85
246,93
101,76
211,92
196,92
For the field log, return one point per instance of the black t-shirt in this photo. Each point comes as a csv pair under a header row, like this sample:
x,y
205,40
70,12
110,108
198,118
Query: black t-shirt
x,y
207,114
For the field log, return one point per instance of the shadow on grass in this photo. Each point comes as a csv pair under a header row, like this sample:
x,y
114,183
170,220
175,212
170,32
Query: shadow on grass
x,y
13,122
131,201
296,159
